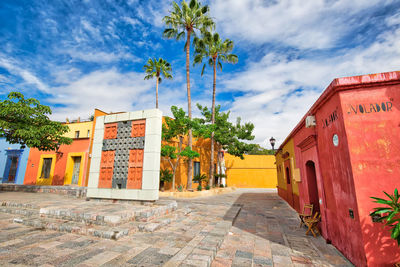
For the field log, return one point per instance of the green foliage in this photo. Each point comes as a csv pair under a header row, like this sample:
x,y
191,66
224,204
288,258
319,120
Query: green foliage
x,y
165,175
199,178
186,19
258,150
190,154
157,68
199,188
211,48
25,121
230,136
207,187
390,214
221,185
180,188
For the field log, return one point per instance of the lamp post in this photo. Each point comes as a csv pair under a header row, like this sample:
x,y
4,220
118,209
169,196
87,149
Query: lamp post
x,y
272,141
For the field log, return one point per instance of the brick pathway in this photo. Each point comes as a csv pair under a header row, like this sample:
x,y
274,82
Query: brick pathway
x,y
265,233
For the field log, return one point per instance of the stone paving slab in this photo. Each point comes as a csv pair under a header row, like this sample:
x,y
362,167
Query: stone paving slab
x,y
203,237
79,210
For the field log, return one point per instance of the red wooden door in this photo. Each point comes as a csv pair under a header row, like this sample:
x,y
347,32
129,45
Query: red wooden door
x,y
106,169
138,128
289,189
135,172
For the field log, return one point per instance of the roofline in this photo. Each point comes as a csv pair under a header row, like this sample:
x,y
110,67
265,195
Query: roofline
x,y
343,84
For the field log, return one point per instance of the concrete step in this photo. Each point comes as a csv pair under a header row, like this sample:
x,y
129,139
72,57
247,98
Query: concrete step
x,y
98,215
81,228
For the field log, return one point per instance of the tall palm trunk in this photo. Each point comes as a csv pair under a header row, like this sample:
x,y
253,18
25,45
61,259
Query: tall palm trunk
x,y
190,161
157,92
212,122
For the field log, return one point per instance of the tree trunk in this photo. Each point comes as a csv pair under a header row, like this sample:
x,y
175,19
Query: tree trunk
x,y
212,122
190,161
157,92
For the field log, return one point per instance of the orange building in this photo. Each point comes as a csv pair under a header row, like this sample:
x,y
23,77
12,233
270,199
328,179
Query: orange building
x,y
68,165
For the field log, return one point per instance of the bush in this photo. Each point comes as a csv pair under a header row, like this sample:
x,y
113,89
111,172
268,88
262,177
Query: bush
x,y
180,188
391,213
221,185
165,175
199,178
199,188
207,187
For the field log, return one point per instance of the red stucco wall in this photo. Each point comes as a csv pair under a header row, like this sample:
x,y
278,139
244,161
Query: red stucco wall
x,y
364,112
78,145
374,143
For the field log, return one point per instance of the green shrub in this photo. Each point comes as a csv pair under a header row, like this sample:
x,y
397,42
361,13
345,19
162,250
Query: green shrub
x,y
199,178
165,175
199,188
207,187
391,213
180,188
221,185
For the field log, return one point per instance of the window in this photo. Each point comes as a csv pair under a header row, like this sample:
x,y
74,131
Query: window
x,y
76,134
196,168
88,133
46,168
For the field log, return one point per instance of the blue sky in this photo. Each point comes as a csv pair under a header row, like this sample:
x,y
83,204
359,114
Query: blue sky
x,y
79,55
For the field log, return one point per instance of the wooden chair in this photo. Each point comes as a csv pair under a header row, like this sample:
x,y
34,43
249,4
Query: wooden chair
x,y
306,213
312,224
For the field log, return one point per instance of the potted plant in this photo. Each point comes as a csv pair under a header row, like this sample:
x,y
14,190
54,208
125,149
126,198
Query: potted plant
x,y
389,214
165,176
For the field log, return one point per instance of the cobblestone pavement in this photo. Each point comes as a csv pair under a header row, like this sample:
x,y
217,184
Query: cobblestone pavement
x,y
265,233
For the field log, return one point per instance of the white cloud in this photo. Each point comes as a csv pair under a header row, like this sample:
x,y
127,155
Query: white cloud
x,y
14,68
304,24
271,101
97,56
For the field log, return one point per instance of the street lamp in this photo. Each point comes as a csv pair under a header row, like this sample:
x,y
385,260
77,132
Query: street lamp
x,y
272,141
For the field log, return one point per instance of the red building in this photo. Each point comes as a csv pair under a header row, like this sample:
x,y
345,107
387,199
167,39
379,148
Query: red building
x,y
347,148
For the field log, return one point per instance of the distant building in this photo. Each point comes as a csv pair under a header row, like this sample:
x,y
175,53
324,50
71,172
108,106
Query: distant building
x,y
13,160
345,150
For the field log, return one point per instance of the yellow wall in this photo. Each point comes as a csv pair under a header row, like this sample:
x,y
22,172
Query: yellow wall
x,y
70,167
46,181
254,171
82,127
280,160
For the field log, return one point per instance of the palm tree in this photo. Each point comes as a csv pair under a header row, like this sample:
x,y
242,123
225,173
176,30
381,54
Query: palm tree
x,y
156,68
211,47
183,21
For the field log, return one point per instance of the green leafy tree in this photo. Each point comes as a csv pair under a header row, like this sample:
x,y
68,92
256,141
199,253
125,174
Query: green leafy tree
x,y
390,214
211,48
184,20
157,68
258,150
176,128
231,137
25,121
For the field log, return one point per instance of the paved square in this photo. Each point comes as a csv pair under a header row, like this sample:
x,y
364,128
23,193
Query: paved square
x,y
264,233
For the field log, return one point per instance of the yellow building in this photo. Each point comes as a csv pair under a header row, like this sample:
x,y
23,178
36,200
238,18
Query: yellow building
x,y
79,129
201,165
288,174
254,171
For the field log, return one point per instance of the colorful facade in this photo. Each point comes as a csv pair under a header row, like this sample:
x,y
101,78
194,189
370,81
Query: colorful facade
x,y
67,166
201,165
288,174
13,161
254,171
349,154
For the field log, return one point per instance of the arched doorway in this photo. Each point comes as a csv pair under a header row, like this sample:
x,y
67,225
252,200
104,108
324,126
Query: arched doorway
x,y
312,185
